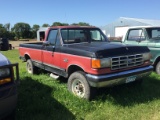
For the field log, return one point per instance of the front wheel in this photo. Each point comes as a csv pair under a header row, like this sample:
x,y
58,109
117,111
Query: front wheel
x,y
78,85
158,68
30,67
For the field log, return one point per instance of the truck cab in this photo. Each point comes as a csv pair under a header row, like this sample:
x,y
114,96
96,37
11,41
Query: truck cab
x,y
146,36
9,80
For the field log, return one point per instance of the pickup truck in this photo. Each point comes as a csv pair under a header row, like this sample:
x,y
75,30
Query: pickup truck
x,y
9,80
146,36
86,57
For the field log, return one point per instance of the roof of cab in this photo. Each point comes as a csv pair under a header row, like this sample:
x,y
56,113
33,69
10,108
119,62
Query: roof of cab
x,y
72,27
133,27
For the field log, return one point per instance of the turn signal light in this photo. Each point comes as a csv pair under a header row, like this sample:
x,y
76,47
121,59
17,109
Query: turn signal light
x,y
96,63
6,80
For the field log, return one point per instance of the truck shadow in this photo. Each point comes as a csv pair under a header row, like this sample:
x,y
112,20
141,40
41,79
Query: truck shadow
x,y
128,94
131,94
36,102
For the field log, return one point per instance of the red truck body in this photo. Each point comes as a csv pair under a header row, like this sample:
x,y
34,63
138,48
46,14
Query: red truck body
x,y
86,58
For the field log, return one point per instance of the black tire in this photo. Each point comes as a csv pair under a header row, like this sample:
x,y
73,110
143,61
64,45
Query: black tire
x,y
78,85
158,68
31,69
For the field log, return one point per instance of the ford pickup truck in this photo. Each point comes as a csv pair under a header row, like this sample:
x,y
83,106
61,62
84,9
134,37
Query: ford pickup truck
x,y
9,80
86,57
146,36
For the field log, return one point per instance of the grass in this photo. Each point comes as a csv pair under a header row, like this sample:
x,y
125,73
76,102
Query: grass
x,y
43,98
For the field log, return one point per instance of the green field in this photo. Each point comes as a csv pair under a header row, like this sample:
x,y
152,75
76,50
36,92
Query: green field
x,y
43,98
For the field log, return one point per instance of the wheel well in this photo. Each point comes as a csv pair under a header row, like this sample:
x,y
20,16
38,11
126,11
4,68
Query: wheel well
x,y
155,63
74,68
26,57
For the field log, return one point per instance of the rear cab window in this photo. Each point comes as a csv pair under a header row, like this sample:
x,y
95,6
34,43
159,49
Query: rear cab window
x,y
153,33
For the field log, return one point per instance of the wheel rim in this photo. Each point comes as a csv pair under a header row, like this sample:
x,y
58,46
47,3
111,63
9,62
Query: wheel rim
x,y
158,68
78,88
29,69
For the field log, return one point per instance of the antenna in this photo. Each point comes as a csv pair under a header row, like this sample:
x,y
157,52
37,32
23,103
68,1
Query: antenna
x,y
66,18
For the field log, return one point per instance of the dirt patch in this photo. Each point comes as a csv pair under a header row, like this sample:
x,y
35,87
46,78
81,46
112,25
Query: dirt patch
x,y
15,44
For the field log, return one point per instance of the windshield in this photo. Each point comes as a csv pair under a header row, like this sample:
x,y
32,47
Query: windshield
x,y
153,33
78,35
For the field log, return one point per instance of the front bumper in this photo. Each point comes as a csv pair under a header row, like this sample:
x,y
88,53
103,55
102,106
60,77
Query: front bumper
x,y
117,78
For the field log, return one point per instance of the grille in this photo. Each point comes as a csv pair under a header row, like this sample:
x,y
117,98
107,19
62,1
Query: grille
x,y
121,62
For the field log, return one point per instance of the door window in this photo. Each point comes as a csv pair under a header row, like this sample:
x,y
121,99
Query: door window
x,y
136,34
52,36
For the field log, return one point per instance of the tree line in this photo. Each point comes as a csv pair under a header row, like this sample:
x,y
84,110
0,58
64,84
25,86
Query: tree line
x,y
23,30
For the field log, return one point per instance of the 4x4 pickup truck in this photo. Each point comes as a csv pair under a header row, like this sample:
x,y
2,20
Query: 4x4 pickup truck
x,y
86,58
9,79
146,36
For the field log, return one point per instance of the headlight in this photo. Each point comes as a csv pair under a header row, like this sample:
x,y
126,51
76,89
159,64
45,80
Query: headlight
x,y
4,72
101,63
147,56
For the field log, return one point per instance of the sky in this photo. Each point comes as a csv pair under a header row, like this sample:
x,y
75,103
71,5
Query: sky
x,y
95,12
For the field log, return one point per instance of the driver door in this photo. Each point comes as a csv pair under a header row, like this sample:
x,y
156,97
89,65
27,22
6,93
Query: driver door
x,y
49,55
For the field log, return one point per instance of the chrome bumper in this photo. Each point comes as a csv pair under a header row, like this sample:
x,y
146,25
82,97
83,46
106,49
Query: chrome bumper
x,y
117,78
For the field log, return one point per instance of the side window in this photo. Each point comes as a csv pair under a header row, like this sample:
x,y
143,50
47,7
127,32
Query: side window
x,y
136,34
52,36
155,33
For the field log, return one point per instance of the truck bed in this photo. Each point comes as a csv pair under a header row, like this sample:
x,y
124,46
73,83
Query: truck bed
x,y
32,45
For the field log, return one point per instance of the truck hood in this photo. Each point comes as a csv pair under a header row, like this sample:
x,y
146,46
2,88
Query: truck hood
x,y
105,49
3,60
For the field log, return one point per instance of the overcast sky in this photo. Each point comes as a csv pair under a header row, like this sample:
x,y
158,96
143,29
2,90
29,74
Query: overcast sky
x,y
95,12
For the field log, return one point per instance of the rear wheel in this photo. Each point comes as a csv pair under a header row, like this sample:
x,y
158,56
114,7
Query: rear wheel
x,y
30,67
158,68
78,85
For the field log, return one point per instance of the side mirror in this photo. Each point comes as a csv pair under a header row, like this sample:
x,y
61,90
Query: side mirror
x,y
53,48
49,46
